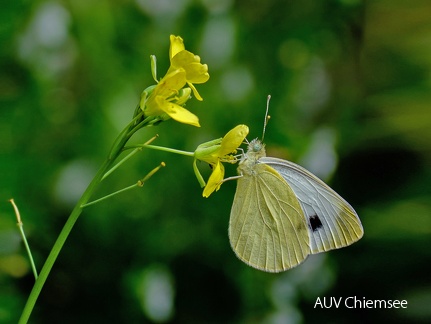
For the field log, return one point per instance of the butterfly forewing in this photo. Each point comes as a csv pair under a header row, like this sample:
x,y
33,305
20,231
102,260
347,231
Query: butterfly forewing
x,y
267,227
332,222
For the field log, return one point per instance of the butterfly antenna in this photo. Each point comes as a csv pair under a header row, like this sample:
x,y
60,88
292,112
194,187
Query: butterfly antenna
x,y
267,117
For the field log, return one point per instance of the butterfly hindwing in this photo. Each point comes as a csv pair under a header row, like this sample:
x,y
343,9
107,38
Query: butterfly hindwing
x,y
332,222
267,227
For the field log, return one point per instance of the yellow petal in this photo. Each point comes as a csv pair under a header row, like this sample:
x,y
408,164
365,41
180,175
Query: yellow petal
x,y
215,180
166,88
195,91
183,58
233,139
171,83
177,45
197,73
151,107
177,112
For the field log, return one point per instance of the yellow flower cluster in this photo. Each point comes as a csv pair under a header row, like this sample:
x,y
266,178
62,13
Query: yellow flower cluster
x,y
166,99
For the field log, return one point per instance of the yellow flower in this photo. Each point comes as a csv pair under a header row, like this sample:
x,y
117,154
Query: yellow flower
x,y
191,63
166,99
218,151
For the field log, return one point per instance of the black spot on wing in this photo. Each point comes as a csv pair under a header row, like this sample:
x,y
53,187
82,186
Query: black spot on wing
x,y
315,223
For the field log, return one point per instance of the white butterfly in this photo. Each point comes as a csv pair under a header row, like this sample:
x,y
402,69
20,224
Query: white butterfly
x,y
282,213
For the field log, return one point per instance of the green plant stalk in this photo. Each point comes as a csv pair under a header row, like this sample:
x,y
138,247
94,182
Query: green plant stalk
x,y
27,247
52,257
106,168
24,239
119,144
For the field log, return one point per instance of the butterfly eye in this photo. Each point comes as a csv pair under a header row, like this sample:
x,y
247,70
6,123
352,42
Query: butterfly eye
x,y
256,146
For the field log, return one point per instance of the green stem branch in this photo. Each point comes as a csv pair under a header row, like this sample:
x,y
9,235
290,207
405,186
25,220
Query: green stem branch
x,y
110,195
24,239
128,156
167,149
140,183
116,166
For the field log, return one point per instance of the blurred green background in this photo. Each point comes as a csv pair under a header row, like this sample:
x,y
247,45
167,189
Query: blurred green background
x,y
350,84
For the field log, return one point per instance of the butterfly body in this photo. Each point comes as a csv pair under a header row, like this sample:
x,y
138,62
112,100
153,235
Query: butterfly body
x,y
282,213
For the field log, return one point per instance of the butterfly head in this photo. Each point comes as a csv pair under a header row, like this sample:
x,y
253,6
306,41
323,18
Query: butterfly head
x,y
256,150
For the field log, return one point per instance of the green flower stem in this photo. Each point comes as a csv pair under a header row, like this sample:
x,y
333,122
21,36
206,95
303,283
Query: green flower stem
x,y
117,148
128,156
148,121
24,239
52,257
138,184
198,175
116,166
167,149
27,247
